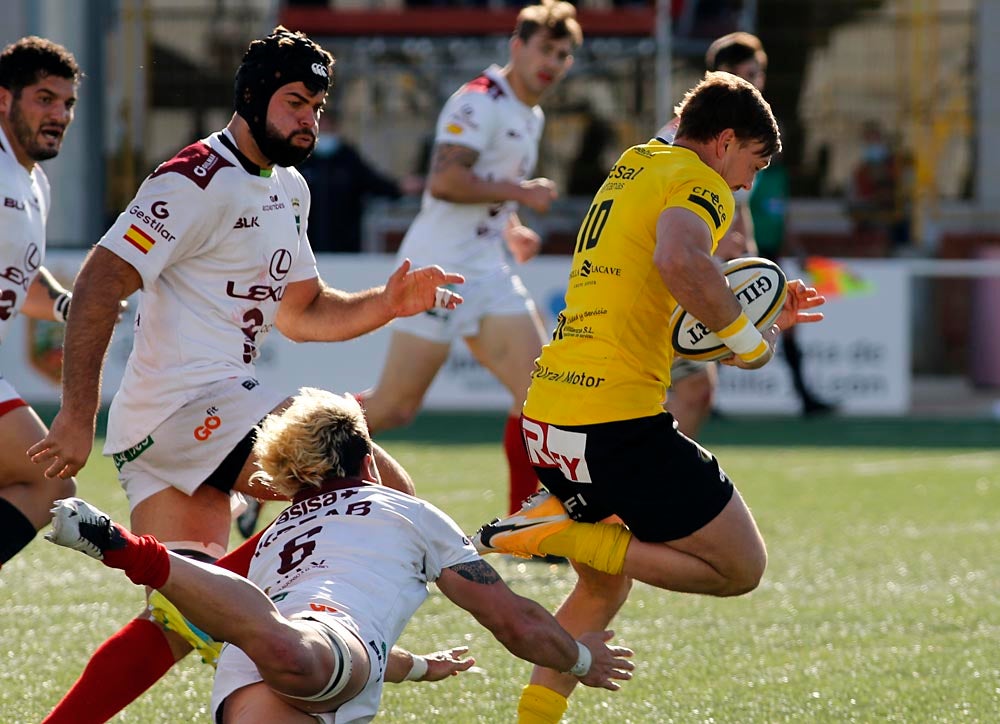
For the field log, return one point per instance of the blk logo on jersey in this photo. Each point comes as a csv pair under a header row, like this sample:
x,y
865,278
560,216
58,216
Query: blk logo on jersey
x,y
247,222
10,203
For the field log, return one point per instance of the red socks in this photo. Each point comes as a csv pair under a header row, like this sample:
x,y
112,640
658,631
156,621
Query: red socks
x,y
144,560
122,668
523,481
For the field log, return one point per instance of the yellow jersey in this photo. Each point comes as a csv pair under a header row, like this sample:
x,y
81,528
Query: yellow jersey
x,y
610,354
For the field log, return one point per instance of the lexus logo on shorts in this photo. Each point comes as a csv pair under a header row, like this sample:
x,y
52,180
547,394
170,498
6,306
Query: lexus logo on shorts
x,y
281,263
32,258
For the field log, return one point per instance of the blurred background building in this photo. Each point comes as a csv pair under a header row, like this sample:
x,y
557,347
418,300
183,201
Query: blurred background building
x,y
924,72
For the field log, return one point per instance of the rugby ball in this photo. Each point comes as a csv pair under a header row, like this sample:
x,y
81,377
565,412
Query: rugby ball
x,y
759,285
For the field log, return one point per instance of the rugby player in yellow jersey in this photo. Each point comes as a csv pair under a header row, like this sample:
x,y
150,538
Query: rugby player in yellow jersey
x,y
593,422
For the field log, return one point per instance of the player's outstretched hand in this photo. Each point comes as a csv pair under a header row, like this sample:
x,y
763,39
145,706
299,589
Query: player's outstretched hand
x,y
65,449
411,291
799,298
442,664
538,194
524,243
609,665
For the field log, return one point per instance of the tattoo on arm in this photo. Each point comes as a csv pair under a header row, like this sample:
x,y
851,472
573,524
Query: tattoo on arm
x,y
477,572
447,155
46,280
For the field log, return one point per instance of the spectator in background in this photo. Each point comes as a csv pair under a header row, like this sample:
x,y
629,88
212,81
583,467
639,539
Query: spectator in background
x,y
485,150
589,169
768,206
342,181
877,196
693,384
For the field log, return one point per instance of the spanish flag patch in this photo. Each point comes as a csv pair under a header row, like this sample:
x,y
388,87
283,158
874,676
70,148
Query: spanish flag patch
x,y
139,239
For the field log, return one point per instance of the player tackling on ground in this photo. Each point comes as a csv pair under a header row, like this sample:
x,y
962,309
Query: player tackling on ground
x,y
216,240
593,422
328,563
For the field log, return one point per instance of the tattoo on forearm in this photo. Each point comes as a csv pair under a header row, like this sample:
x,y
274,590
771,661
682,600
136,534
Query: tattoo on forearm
x,y
46,281
450,154
477,572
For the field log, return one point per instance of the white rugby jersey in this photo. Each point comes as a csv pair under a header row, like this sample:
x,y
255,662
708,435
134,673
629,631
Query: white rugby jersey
x,y
216,242
365,550
486,116
25,201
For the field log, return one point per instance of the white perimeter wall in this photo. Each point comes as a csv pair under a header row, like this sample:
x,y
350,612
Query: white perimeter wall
x,y
858,357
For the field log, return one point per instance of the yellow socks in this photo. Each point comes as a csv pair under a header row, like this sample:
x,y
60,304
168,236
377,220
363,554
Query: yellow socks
x,y
540,705
602,546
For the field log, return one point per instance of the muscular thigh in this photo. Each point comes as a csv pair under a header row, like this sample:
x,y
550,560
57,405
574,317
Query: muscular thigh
x,y
661,484
21,481
508,346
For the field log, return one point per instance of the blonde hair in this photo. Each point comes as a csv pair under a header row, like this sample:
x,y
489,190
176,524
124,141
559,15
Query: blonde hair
x,y
319,436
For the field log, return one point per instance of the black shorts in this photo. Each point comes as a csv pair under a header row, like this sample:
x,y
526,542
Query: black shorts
x,y
664,486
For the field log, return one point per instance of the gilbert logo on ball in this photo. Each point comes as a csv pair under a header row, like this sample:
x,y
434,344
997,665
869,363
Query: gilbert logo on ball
x,y
759,285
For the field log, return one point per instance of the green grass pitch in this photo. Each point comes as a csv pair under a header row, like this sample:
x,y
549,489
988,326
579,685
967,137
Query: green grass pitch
x,y
881,602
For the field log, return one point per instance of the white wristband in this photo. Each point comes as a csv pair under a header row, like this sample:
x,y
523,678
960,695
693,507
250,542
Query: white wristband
x,y
60,307
418,669
582,665
744,339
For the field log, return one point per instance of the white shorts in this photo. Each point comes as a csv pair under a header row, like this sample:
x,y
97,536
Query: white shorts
x,y
499,294
236,670
189,445
9,399
683,367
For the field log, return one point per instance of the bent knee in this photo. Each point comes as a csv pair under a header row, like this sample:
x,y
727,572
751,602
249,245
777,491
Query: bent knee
x,y
399,414
746,578
610,590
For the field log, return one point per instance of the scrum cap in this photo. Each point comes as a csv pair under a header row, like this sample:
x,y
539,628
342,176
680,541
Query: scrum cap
x,y
282,57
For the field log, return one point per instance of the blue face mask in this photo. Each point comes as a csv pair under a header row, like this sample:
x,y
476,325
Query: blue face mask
x,y
326,145
875,152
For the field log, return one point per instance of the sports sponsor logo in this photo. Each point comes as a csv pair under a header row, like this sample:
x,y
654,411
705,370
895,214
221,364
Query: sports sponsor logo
x,y
567,377
212,423
755,289
127,456
454,129
17,276
281,264
320,70
203,168
587,268
10,203
256,292
710,201
139,239
153,221
247,222
249,383
274,204
32,258
550,447
626,173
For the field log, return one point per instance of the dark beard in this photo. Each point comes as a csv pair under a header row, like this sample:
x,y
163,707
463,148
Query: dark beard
x,y
280,151
26,138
